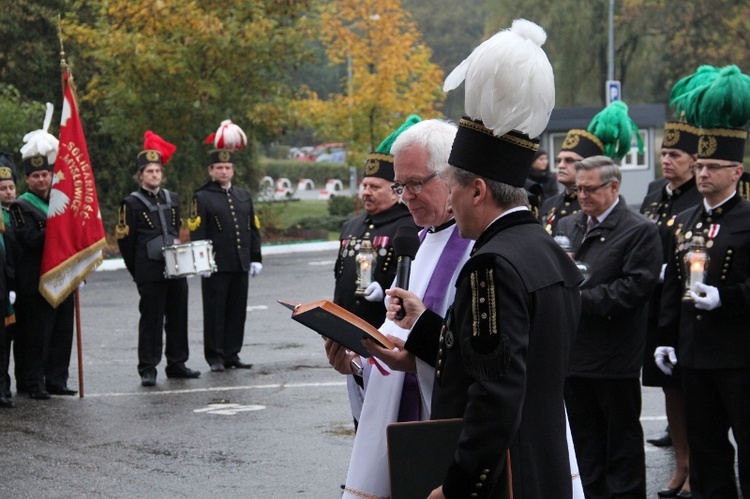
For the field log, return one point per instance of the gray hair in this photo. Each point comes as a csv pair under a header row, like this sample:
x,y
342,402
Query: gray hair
x,y
433,136
505,196
608,170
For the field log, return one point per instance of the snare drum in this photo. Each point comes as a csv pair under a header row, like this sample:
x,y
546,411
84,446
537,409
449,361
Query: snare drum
x,y
182,260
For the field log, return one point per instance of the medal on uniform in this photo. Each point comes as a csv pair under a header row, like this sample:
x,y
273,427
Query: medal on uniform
x,y
670,222
713,231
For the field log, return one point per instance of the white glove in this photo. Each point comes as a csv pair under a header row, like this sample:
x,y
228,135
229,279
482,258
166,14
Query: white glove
x,y
12,297
661,274
255,268
665,358
205,274
374,292
708,302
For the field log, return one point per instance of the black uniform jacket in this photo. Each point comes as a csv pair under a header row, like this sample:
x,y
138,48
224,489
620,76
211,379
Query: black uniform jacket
x,y
624,256
138,225
380,228
718,338
661,208
556,208
227,218
29,229
502,356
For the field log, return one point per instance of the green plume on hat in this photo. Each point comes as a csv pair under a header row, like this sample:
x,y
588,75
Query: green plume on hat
x,y
682,90
724,102
385,146
615,129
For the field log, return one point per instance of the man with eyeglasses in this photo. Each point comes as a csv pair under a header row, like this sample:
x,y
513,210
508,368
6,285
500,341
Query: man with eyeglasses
x,y
384,214
393,395
704,325
603,391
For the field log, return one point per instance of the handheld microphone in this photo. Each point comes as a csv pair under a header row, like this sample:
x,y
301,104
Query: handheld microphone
x,y
405,246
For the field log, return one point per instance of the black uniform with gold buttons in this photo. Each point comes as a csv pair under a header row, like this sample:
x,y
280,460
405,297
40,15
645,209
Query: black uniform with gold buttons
x,y
556,208
226,217
163,302
379,229
661,206
501,362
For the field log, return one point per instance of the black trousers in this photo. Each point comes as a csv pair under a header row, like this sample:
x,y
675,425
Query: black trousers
x,y
44,341
5,346
163,307
604,417
224,314
715,401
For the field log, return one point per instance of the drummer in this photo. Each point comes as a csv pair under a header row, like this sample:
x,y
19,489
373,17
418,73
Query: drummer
x,y
223,213
149,220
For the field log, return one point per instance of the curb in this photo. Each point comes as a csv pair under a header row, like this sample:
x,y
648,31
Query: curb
x,y
271,249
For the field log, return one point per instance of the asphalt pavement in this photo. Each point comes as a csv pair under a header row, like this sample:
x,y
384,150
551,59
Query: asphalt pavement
x,y
280,430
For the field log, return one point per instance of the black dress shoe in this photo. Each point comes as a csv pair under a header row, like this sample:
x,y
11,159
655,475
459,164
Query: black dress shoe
x,y
60,390
148,378
181,372
217,368
666,492
38,394
238,364
684,494
6,403
664,440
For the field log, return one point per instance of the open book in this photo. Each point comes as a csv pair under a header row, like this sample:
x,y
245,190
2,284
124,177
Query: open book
x,y
337,323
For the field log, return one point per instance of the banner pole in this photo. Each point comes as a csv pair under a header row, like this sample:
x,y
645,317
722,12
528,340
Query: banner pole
x,y
79,344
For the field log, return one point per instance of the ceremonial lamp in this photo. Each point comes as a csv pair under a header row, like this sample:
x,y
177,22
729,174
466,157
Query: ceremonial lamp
x,y
365,261
696,261
583,267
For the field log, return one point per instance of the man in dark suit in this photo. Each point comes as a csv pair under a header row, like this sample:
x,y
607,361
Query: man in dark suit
x,y
223,214
707,330
149,219
46,334
603,391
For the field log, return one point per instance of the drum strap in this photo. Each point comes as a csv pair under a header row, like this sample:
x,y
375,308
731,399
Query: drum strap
x,y
159,208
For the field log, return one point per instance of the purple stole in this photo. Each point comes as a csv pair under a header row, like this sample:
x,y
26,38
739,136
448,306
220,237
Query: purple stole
x,y
454,249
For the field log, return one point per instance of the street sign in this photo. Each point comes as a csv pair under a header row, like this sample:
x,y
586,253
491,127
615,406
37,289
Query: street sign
x,y
614,91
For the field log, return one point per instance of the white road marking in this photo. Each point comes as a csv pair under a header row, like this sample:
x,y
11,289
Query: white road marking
x,y
218,389
323,262
257,307
229,409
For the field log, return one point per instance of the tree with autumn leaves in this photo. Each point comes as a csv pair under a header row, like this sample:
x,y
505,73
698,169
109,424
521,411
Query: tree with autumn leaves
x,y
389,74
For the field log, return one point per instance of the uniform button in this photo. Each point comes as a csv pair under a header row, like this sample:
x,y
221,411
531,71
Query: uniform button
x,y
484,316
437,373
478,485
699,317
473,494
440,363
372,227
486,470
483,477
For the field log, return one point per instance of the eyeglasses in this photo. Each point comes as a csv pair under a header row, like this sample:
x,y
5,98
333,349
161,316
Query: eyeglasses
x,y
412,186
567,161
580,189
711,167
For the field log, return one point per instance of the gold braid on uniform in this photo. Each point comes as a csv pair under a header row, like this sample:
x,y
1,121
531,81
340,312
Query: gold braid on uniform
x,y
743,188
122,229
487,352
194,221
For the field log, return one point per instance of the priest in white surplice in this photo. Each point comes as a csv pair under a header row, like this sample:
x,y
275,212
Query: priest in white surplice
x,y
392,396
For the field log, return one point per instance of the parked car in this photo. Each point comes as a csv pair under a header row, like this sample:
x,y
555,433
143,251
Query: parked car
x,y
334,152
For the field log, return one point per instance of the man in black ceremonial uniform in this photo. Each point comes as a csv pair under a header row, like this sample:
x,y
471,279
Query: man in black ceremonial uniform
x,y
223,213
149,219
704,325
384,215
45,337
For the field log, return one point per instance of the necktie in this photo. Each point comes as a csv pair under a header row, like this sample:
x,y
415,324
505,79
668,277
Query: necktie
x,y
593,222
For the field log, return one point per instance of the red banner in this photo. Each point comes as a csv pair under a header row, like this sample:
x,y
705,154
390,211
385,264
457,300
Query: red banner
x,y
75,234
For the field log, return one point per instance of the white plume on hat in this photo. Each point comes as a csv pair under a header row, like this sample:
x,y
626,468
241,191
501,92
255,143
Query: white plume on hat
x,y
229,136
509,81
40,142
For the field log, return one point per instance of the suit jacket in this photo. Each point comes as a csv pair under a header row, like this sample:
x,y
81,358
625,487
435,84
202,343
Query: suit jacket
x,y
29,229
716,339
227,218
624,256
556,208
502,358
380,227
138,225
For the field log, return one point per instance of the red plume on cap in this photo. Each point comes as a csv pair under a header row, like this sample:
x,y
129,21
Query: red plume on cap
x,y
228,136
153,142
